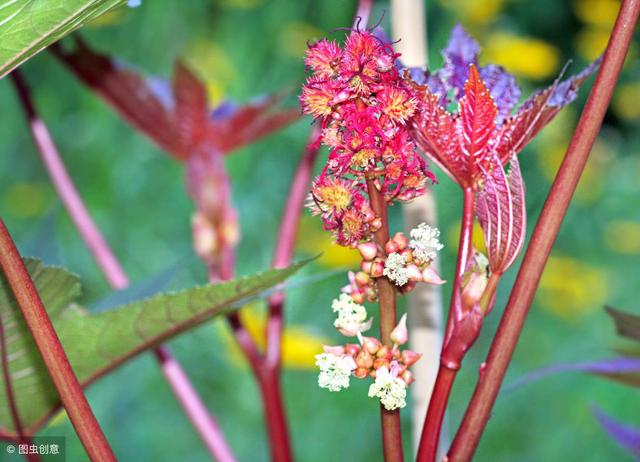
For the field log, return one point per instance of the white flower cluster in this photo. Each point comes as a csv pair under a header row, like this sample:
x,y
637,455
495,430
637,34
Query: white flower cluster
x,y
391,389
395,268
352,317
335,370
424,242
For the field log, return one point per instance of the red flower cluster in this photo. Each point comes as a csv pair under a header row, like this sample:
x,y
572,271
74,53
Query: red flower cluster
x,y
363,105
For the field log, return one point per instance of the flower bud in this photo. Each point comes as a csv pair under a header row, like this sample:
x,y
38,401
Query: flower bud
x,y
431,276
351,349
473,289
401,240
376,224
400,334
408,287
362,279
358,297
372,345
337,350
205,241
391,247
364,359
377,269
361,372
371,294
414,272
384,352
409,357
407,376
380,362
368,250
366,266
408,255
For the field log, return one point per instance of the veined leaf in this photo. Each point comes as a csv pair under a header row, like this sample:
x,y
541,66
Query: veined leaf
x,y
478,120
28,26
502,214
97,343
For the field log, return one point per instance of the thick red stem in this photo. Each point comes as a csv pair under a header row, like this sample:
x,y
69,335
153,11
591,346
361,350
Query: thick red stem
x,y
390,420
544,235
51,351
428,446
196,411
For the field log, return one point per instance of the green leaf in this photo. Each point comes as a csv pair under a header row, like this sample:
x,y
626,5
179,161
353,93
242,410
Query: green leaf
x,y
627,324
97,343
28,26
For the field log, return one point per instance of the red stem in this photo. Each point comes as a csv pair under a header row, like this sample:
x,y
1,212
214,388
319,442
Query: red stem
x,y
285,244
194,408
543,238
390,420
428,446
51,351
362,14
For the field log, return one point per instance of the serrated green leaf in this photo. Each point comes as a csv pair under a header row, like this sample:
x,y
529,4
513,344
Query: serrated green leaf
x,y
28,26
97,343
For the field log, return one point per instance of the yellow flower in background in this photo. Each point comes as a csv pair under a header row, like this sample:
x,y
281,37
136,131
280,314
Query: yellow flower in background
x,y
625,100
299,346
472,11
571,288
523,56
623,236
213,65
593,178
591,42
453,237
27,200
294,37
597,12
314,240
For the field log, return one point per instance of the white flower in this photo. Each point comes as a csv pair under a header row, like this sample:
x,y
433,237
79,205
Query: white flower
x,y
395,268
352,317
335,370
424,242
391,389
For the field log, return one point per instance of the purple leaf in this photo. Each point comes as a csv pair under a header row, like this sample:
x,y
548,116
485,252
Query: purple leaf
x,y
626,436
621,369
461,51
503,88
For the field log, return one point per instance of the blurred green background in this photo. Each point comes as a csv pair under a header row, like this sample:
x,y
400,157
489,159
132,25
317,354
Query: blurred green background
x,y
242,48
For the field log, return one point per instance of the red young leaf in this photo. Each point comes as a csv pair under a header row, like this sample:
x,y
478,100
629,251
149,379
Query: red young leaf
x,y
126,91
435,131
477,123
501,212
536,112
191,107
177,119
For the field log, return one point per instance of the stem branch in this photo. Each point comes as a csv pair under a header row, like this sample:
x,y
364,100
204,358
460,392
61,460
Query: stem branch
x,y
51,351
544,235
196,411
428,447
391,428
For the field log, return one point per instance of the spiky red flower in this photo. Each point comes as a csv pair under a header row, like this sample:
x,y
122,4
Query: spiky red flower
x,y
364,107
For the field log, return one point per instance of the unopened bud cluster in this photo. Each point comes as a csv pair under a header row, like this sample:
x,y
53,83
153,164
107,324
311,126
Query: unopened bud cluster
x,y
405,262
388,366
